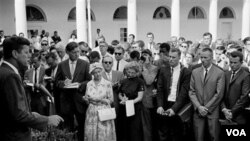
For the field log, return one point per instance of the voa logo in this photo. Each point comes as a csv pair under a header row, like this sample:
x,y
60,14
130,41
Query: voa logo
x,y
236,132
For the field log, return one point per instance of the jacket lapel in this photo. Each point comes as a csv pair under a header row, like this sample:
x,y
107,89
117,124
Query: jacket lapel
x,y
202,75
236,76
66,67
77,69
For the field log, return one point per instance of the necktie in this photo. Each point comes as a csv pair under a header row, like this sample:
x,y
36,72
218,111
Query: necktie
x,y
205,74
35,80
72,69
233,75
171,79
117,67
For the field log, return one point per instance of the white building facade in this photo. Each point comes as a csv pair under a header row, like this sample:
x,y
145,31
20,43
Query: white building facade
x,y
226,19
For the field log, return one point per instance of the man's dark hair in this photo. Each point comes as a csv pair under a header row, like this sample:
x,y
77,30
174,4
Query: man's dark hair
x,y
71,46
36,55
115,42
111,49
208,34
176,50
51,55
135,54
150,33
94,54
207,49
222,48
83,43
13,43
147,51
166,46
245,40
237,54
52,48
132,35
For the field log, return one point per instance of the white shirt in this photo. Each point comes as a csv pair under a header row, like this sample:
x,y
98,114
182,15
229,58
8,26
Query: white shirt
x,y
175,79
122,64
207,70
109,75
72,67
37,74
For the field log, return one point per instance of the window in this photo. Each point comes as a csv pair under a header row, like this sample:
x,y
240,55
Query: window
x,y
34,13
72,15
161,13
196,13
123,34
226,12
120,13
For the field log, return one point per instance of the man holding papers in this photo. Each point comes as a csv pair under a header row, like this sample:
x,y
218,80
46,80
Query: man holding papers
x,y
70,73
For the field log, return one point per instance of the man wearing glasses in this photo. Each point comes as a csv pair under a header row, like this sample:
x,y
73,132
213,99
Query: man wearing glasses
x,y
84,51
119,62
44,45
115,77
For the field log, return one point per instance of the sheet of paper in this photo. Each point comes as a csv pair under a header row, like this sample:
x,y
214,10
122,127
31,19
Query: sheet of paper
x,y
30,84
72,86
130,108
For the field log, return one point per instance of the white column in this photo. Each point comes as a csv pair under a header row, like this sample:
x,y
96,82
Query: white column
x,y
175,18
20,17
89,25
213,10
81,22
132,21
245,19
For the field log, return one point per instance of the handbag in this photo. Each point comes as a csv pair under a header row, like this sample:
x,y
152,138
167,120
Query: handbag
x,y
106,114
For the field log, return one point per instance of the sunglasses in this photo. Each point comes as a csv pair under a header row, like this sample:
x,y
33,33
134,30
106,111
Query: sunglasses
x,y
118,54
44,44
107,63
44,54
83,51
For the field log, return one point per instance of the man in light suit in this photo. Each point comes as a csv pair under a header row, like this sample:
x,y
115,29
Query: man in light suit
x,y
119,62
73,70
115,77
206,91
172,87
18,119
237,89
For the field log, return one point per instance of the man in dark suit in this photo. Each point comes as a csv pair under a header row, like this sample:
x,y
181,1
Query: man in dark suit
x,y
237,89
73,70
18,119
206,91
35,76
173,86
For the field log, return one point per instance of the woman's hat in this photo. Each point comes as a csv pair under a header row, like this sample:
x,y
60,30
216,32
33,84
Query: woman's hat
x,y
95,66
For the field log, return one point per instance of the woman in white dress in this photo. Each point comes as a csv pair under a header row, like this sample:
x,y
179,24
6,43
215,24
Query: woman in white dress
x,y
99,95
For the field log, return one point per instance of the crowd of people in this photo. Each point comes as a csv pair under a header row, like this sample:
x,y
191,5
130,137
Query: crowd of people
x,y
179,89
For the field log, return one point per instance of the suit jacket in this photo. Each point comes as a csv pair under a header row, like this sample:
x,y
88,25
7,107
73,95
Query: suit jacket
x,y
208,93
16,109
29,75
163,86
81,75
236,94
117,76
